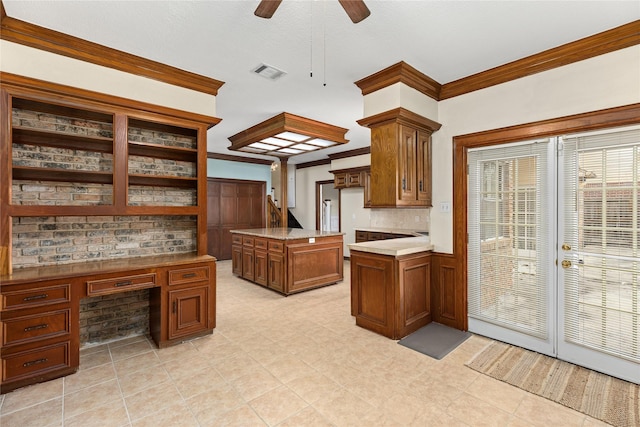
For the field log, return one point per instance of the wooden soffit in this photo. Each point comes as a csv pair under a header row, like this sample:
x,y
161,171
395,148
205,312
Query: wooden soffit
x,y
402,116
400,73
24,33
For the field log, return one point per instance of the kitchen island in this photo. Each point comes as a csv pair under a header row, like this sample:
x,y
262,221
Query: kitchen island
x,y
287,260
390,285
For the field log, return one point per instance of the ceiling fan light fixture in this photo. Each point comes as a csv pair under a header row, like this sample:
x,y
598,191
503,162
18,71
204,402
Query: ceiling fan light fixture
x,y
268,71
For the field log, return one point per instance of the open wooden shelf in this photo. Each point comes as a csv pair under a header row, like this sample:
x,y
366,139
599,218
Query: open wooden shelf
x,y
30,136
162,181
162,151
61,175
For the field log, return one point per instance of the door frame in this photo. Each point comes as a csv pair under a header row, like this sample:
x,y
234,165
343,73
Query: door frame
x,y
319,203
600,119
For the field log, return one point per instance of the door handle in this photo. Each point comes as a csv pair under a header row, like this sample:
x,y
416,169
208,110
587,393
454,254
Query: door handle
x,y
566,263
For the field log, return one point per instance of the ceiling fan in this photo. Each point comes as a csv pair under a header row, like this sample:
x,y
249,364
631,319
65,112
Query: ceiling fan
x,y
356,9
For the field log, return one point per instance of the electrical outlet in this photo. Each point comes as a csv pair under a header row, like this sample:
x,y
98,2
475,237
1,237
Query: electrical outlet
x,y
417,218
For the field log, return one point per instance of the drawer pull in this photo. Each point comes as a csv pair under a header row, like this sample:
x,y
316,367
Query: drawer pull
x,y
35,362
34,297
36,327
188,275
127,283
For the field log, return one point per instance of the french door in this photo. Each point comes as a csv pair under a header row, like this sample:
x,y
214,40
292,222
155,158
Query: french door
x,y
554,248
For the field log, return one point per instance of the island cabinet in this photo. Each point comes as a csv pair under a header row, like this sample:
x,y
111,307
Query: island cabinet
x,y
400,159
288,260
390,295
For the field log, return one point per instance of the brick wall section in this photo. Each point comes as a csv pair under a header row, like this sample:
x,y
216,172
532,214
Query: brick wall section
x,y
110,317
39,241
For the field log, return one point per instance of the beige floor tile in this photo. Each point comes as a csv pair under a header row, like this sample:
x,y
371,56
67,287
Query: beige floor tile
x,y
172,415
45,414
343,408
130,365
476,412
215,402
242,416
129,340
255,384
95,348
277,405
126,351
152,400
192,363
288,367
88,377
178,352
93,359
308,417
314,386
497,393
91,398
32,395
111,414
142,379
236,366
542,412
198,383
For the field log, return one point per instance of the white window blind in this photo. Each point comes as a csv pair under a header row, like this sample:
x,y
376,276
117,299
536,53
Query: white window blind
x,y
602,293
509,236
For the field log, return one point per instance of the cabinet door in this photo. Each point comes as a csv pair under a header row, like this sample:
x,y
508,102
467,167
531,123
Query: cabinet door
x,y
260,272
236,260
367,189
340,180
423,168
276,271
188,311
248,269
407,164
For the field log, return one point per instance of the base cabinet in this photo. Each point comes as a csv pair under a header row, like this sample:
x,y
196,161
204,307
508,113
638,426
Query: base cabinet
x,y
39,319
391,295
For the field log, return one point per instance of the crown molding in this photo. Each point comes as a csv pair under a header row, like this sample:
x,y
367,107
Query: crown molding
x,y
350,153
27,34
400,73
313,163
599,44
231,158
402,116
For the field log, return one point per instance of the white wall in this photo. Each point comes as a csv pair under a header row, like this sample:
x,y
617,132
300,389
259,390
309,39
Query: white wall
x,y
605,81
305,210
30,62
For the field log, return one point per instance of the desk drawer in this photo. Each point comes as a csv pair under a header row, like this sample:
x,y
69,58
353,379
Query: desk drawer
x,y
260,244
247,241
276,246
35,362
188,275
36,297
31,328
236,239
120,284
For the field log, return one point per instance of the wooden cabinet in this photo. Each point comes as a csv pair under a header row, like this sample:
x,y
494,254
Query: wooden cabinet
x,y
400,158
391,295
348,178
288,265
190,301
367,189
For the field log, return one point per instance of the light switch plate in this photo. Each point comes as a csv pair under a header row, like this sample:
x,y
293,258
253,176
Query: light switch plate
x,y
445,207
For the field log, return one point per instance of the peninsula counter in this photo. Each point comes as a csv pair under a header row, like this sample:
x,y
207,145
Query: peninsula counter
x,y
287,260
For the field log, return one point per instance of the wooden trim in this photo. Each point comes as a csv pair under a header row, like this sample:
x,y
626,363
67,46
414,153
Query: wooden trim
x,y
3,13
350,153
402,116
400,73
355,169
313,163
599,44
24,33
608,118
319,202
232,158
58,90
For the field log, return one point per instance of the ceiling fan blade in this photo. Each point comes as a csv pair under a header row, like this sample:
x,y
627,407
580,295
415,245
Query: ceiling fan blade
x,y
356,9
267,8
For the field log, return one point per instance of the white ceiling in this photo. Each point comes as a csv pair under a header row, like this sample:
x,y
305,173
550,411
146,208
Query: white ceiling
x,y
445,40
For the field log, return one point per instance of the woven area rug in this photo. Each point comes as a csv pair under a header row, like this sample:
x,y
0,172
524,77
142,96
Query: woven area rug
x,y
600,396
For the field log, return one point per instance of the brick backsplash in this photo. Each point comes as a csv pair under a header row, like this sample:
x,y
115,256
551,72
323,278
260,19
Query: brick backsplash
x,y
109,317
39,241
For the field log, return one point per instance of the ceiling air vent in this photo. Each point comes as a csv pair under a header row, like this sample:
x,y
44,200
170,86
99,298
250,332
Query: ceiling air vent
x,y
268,72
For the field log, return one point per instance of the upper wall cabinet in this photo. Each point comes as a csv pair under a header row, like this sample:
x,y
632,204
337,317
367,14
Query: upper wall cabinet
x,y
400,158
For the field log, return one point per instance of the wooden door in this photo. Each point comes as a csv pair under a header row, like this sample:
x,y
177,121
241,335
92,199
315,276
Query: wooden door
x,y
232,204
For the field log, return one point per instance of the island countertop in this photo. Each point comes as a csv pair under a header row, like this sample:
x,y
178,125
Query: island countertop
x,y
286,233
394,247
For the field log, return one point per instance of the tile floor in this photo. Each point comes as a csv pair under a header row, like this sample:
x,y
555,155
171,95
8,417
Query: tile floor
x,y
295,361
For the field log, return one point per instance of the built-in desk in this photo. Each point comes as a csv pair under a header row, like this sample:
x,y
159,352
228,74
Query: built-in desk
x,y
288,260
390,285
39,317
